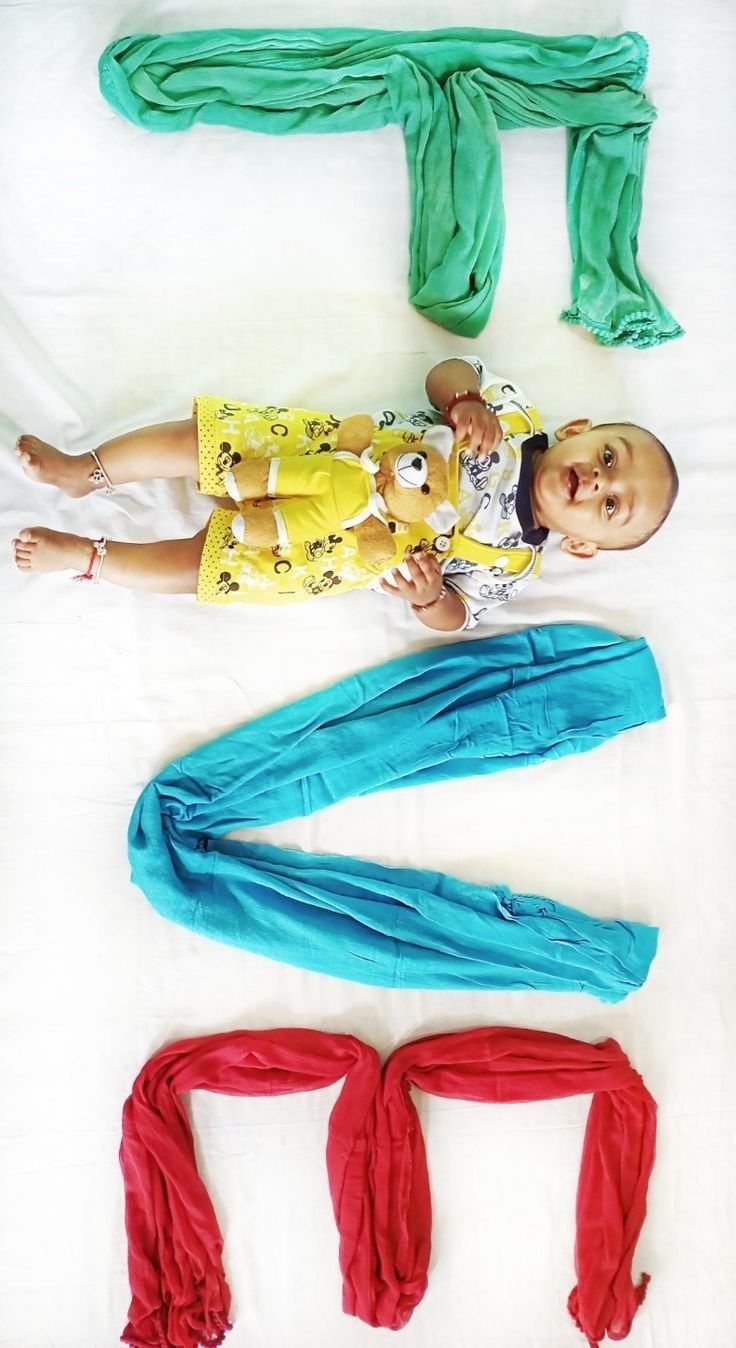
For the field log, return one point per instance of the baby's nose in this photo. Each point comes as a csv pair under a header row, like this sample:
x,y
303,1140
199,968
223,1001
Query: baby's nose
x,y
589,478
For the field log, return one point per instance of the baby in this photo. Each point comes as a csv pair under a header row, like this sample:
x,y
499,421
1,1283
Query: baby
x,y
600,487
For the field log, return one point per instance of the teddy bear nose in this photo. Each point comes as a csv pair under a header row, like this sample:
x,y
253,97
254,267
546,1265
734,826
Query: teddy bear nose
x,y
411,470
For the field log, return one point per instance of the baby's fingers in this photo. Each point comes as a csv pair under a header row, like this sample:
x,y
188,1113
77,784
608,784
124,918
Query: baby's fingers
x,y
496,431
491,439
462,423
401,589
425,566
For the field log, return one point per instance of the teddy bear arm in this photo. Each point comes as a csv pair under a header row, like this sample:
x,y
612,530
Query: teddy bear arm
x,y
375,541
355,433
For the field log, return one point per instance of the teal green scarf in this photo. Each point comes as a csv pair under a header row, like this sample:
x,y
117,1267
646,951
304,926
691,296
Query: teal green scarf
x,y
450,91
459,710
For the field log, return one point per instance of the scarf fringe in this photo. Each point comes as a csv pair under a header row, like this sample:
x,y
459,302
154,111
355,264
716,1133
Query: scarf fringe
x,y
641,328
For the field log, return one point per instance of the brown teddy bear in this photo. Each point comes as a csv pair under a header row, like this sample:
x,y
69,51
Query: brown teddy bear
x,y
301,497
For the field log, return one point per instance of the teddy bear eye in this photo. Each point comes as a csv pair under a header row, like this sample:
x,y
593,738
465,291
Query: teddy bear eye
x,y
425,489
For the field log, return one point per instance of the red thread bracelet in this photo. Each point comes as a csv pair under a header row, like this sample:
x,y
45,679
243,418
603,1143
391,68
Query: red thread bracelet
x,y
98,554
89,573
470,395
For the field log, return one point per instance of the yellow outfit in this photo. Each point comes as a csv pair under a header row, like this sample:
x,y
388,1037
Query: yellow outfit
x,y
319,496
328,560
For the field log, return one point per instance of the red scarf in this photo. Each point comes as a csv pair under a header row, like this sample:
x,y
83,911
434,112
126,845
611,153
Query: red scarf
x,y
376,1166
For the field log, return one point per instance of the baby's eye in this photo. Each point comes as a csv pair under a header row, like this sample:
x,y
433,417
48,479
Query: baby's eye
x,y
610,506
609,458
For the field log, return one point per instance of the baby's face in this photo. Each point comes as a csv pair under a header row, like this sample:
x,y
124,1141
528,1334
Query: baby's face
x,y
606,485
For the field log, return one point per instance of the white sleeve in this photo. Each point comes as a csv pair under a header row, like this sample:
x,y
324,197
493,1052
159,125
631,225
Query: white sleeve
x,y
481,592
498,389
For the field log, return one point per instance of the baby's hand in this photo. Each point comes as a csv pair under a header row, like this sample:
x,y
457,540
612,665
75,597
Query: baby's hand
x,y
477,426
425,583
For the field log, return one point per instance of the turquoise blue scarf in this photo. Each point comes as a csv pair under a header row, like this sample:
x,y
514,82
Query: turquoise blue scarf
x,y
453,711
451,92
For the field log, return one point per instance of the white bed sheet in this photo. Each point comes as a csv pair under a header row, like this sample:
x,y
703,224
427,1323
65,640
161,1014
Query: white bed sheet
x,y
136,270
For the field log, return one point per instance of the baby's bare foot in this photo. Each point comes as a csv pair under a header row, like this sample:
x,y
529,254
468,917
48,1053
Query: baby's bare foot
x,y
47,550
43,463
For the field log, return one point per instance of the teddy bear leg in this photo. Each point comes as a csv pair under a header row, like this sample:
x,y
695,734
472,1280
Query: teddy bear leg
x,y
256,525
247,481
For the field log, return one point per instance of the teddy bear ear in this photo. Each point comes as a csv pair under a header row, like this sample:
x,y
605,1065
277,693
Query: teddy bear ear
x,y
440,438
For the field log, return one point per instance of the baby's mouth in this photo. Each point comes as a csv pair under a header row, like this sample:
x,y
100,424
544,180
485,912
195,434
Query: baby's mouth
x,y
572,482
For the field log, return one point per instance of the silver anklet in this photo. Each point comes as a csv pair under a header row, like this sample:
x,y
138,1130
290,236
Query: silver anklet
x,y
98,475
95,563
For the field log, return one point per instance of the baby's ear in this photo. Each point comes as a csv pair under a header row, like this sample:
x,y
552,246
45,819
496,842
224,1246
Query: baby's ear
x,y
575,547
577,427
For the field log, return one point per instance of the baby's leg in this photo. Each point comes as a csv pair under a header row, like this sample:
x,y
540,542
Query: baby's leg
x,y
167,450
170,567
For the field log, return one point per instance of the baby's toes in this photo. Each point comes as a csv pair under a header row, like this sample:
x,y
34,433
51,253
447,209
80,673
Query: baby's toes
x,y
29,536
21,557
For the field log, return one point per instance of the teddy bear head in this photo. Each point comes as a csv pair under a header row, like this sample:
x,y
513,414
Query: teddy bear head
x,y
413,481
413,478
